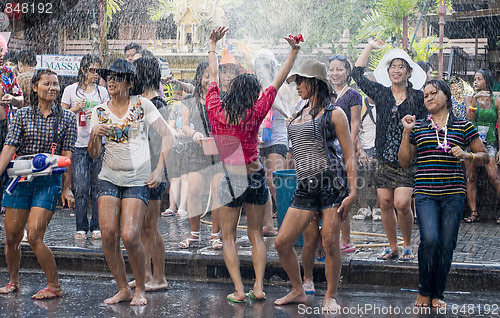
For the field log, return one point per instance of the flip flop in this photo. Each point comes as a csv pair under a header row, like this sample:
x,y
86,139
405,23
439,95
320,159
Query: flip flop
x,y
407,255
387,254
9,288
251,296
309,289
168,212
46,289
231,298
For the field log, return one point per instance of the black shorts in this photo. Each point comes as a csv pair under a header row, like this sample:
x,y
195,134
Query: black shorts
x,y
238,189
387,175
278,148
318,193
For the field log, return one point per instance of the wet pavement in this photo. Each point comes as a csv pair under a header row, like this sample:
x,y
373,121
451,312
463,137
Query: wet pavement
x,y
476,261
84,294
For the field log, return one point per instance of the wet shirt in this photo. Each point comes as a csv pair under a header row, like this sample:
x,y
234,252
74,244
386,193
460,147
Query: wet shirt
x,y
389,127
349,99
126,161
229,138
439,172
33,133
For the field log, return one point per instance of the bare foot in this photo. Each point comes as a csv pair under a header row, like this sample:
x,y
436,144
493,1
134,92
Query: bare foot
x,y
292,298
438,303
330,305
422,301
154,285
139,299
268,231
122,295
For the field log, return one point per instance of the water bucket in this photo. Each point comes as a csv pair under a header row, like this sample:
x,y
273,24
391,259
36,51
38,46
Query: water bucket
x,y
285,182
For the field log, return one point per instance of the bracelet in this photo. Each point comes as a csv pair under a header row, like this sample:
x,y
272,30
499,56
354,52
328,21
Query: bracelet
x,y
472,156
473,108
211,51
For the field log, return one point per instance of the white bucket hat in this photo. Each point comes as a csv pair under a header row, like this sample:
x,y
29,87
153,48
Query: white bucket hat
x,y
265,53
312,68
417,78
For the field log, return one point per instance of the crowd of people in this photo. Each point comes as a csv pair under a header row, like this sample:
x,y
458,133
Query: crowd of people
x,y
400,134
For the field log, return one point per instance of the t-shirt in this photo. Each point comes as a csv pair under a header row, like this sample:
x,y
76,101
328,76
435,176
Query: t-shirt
x,y
349,99
389,127
71,95
230,138
368,125
126,160
439,172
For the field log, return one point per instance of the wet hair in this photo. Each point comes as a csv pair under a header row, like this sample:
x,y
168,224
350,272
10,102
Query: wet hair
x,y
85,63
34,95
27,57
242,94
148,74
200,69
11,56
426,66
409,85
489,79
132,45
145,53
441,85
347,65
266,61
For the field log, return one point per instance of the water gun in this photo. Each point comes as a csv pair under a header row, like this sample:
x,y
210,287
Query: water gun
x,y
268,126
25,168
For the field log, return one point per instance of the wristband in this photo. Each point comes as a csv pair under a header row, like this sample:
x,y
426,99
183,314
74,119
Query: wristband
x,y
473,109
471,159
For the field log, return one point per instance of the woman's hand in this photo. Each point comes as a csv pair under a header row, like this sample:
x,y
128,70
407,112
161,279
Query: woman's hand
x,y
376,44
68,198
363,158
218,34
458,152
155,178
291,41
101,130
409,122
346,205
197,136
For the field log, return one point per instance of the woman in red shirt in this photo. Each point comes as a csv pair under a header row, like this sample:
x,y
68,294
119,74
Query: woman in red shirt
x,y
235,122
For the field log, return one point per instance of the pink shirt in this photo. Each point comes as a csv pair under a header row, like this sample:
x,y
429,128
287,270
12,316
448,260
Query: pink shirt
x,y
237,144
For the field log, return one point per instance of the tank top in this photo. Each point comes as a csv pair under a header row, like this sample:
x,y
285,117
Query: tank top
x,y
487,119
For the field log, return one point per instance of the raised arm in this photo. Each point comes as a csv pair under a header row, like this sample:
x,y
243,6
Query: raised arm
x,y
213,65
375,44
407,151
287,66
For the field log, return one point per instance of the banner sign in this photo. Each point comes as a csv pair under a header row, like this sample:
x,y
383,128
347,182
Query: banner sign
x,y
63,65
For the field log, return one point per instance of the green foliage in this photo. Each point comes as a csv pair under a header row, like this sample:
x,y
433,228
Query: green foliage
x,y
164,9
112,7
425,48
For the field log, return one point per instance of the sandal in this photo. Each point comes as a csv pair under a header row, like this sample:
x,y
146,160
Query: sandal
x,y
407,255
80,235
473,218
168,212
309,288
347,248
320,254
9,288
387,254
215,241
182,213
190,242
498,221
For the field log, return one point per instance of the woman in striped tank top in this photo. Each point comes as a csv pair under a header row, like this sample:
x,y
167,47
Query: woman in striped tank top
x,y
322,189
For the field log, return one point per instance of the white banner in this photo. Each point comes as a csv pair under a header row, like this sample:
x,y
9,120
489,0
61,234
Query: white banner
x,y
63,65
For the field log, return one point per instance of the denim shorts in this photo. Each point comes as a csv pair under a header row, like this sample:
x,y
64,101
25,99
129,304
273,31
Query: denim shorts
x,y
155,193
389,175
318,193
280,149
42,192
108,188
251,189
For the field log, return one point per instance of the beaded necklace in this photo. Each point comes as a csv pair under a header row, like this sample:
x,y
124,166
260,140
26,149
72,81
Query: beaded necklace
x,y
445,145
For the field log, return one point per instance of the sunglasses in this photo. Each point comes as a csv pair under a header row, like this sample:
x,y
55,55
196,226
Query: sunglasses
x,y
337,57
92,70
116,77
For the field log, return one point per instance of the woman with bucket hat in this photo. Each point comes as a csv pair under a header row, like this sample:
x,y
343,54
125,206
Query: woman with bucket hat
x,y
235,122
396,94
322,189
126,174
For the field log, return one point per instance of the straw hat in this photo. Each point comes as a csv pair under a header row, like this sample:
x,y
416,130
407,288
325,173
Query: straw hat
x,y
265,53
312,68
417,78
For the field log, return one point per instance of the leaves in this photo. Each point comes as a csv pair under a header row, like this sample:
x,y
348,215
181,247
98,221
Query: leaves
x,y
112,7
164,9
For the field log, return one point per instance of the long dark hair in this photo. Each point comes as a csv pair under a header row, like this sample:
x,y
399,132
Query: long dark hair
x,y
489,79
242,95
85,63
442,86
323,96
200,69
147,75
34,95
409,85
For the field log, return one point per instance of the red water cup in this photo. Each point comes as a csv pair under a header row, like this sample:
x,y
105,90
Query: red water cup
x,y
82,119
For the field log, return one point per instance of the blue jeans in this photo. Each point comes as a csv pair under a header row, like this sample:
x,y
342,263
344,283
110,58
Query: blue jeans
x,y
85,172
438,220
